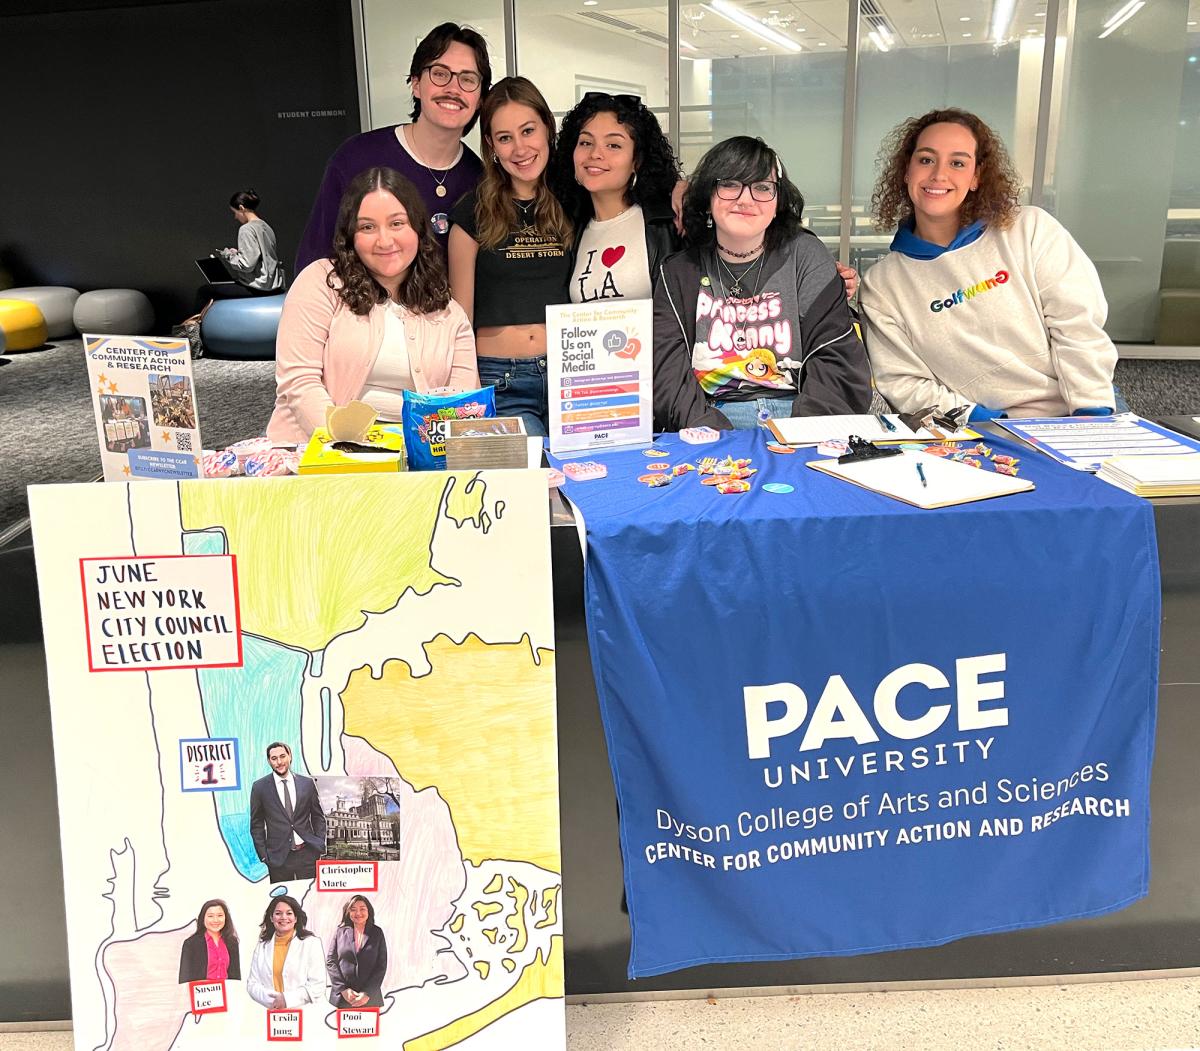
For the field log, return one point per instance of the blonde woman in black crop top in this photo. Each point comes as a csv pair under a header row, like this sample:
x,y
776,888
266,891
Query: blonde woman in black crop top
x,y
510,250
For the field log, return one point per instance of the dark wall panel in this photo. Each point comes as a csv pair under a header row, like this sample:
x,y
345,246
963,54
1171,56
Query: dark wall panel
x,y
127,129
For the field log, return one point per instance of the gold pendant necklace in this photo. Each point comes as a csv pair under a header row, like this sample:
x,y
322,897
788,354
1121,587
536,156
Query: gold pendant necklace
x,y
440,189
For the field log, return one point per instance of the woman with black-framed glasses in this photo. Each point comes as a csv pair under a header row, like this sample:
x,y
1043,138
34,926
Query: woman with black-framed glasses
x,y
614,170
752,317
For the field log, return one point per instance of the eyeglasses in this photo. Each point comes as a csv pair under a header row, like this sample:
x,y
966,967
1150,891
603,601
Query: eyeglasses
x,y
604,96
731,189
441,75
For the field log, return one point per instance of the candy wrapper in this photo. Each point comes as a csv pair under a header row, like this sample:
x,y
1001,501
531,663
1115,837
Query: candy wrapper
x,y
653,481
734,485
424,417
223,464
271,464
584,470
248,447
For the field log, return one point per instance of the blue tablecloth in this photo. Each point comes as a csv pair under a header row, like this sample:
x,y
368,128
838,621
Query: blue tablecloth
x,y
840,724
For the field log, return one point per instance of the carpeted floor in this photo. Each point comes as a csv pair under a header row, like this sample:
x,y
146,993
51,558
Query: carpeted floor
x,y
48,431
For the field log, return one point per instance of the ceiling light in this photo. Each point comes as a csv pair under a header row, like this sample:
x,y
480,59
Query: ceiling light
x,y
735,36
739,18
877,40
821,43
762,47
1191,23
966,34
590,3
884,35
1002,15
965,18
1039,14
1121,17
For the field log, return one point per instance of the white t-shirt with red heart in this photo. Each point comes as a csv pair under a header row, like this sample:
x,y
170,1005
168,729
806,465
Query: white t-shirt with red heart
x,y
611,262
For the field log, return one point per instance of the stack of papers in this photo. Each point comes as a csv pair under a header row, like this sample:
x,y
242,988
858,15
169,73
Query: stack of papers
x,y
1085,442
1154,475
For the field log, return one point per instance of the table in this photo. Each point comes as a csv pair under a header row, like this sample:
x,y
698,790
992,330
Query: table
x,y
1162,931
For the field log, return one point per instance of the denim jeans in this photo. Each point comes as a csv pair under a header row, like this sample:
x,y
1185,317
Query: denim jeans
x,y
744,414
520,389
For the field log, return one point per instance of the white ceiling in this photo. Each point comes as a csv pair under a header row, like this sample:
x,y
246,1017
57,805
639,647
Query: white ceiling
x,y
815,25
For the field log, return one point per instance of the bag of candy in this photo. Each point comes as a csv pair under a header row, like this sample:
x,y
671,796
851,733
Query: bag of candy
x,y
425,416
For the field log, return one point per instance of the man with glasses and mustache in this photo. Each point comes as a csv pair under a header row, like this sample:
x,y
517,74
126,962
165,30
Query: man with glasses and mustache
x,y
449,75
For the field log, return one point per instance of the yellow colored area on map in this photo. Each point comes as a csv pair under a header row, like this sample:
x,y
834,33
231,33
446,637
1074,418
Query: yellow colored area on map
x,y
509,964
516,922
480,727
541,978
550,904
483,967
490,934
484,909
457,923
309,579
494,884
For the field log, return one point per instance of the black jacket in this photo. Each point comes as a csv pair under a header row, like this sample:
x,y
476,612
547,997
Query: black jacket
x,y
835,377
363,971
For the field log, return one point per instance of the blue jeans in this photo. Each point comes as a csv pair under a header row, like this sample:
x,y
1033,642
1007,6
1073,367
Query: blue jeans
x,y
744,414
520,389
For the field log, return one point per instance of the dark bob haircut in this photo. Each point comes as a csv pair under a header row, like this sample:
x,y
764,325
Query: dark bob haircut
x,y
425,287
748,160
267,929
656,171
346,921
434,47
247,199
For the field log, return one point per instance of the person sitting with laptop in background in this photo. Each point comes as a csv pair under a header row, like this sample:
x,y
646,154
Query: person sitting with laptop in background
x,y
253,266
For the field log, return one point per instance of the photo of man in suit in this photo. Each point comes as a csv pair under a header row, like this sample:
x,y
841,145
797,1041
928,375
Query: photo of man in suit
x,y
287,823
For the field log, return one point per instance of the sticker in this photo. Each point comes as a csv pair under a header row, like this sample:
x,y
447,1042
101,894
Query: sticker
x,y
654,450
713,479
658,466
778,487
775,447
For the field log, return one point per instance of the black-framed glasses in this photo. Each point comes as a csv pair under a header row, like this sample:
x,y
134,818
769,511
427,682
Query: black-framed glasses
x,y
761,191
604,96
441,75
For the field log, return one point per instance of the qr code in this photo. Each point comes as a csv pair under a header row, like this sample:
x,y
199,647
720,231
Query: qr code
x,y
183,441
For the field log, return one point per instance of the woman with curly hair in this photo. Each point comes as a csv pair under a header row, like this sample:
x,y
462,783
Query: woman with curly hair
x,y
983,306
613,171
509,250
752,317
374,319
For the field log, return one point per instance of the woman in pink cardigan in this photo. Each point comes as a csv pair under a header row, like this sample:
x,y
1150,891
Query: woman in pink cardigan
x,y
375,319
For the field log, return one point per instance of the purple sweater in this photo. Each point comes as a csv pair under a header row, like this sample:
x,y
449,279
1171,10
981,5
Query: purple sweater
x,y
381,148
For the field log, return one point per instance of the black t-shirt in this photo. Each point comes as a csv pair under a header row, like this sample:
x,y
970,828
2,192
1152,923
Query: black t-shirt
x,y
517,281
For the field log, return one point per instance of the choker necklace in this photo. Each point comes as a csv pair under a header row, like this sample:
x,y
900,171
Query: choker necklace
x,y
739,255
440,189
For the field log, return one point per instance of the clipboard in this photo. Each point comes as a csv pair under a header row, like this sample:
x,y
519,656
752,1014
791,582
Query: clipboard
x,y
949,482
812,430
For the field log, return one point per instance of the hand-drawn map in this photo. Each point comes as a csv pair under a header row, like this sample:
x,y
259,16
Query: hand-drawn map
x,y
392,630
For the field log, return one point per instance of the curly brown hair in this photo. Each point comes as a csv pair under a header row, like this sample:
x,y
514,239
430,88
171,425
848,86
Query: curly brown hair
x,y
995,201
425,288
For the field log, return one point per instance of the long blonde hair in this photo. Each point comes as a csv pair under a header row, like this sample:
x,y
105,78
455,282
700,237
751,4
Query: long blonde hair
x,y
495,213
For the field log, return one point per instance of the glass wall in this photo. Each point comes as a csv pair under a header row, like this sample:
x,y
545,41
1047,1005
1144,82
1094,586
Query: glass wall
x,y
1118,149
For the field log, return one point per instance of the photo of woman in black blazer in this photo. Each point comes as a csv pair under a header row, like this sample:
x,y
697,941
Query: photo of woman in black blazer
x,y
357,958
211,953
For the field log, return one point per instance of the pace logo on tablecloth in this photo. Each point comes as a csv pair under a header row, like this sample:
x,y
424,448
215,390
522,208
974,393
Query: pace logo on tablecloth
x,y
600,371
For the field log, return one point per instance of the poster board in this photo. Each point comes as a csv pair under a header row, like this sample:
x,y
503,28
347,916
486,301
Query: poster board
x,y
196,626
144,399
600,365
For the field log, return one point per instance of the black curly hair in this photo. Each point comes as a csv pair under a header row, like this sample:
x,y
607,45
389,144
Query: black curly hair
x,y
425,288
748,160
655,168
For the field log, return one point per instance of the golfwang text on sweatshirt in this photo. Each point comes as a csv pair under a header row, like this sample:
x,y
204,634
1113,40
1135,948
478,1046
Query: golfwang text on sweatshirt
x,y
1012,321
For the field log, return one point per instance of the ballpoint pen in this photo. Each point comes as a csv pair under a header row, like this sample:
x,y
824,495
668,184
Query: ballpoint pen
x,y
921,475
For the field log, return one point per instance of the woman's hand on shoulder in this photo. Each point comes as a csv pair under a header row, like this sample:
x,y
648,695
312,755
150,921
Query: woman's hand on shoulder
x,y
850,276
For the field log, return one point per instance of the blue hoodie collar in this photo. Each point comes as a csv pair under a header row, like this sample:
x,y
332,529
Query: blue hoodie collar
x,y
908,243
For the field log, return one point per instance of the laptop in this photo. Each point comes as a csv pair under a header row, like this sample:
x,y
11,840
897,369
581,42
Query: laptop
x,y
215,271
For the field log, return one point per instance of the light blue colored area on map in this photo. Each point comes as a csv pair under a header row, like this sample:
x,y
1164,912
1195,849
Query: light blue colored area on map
x,y
205,542
258,703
